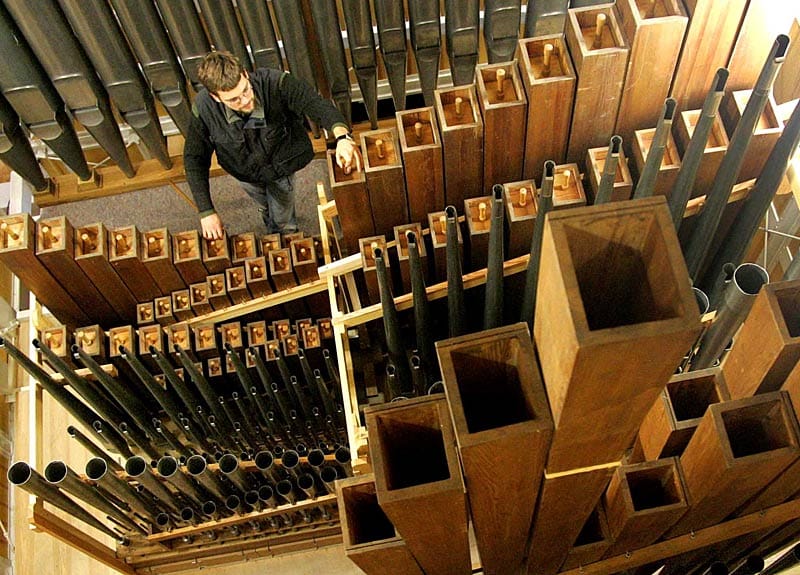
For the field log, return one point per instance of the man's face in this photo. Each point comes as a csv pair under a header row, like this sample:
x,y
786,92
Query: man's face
x,y
241,98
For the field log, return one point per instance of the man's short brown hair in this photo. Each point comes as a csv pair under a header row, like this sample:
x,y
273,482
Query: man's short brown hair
x,y
220,70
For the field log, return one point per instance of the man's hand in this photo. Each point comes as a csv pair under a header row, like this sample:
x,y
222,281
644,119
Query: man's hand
x,y
348,155
212,227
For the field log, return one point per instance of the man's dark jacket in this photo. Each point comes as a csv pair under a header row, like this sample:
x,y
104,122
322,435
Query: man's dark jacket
x,y
271,143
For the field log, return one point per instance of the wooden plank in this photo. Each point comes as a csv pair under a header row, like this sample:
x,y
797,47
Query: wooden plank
x,y
462,143
501,421
421,147
716,147
600,63
18,253
654,31
643,501
125,255
520,206
386,186
370,539
504,109
670,162
601,319
623,183
767,347
709,39
564,505
352,200
551,89
670,423
768,128
187,257
738,448
419,482
157,257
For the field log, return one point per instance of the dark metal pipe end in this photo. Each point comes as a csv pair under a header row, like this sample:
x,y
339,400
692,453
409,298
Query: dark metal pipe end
x,y
497,191
411,237
450,212
36,343
228,463
55,471
750,277
549,169
228,347
153,350
720,79
783,45
96,468
19,473
316,458
264,460
670,105
167,466
377,253
616,144
196,464
290,459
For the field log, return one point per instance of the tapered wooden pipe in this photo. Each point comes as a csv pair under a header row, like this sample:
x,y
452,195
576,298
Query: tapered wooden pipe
x,y
456,311
690,163
493,307
391,326
647,180
605,188
532,274
707,222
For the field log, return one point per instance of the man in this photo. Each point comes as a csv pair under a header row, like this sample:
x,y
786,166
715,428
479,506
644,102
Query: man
x,y
254,123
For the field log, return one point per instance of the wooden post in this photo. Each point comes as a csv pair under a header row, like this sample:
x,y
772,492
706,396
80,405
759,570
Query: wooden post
x,y
623,183
163,310
670,162
504,108
181,307
244,246
549,79
593,541
739,447
198,298
601,322
709,38
568,187
462,143
643,501
150,335
767,346
56,250
18,253
370,539
383,170
187,257
304,260
401,244
716,146
654,31
119,336
217,291
216,254
520,203
565,503
766,133
235,284
419,483
280,269
91,253
503,428
157,258
478,215
421,147
90,339
256,276
670,423
600,63
126,255
352,204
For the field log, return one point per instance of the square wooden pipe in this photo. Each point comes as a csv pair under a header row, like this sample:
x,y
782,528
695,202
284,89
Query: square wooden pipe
x,y
187,256
383,170
421,147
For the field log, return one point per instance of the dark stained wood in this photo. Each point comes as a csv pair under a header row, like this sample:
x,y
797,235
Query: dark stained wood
x,y
91,254
613,294
670,423
422,158
216,254
181,305
269,242
280,269
385,179
670,162
550,96
767,347
503,427
187,257
520,204
257,276
370,539
643,501
504,113
55,248
244,246
600,77
198,298
217,291
418,481
352,204
478,215
462,143
157,258
125,254
236,285
18,253
738,448
304,260
623,184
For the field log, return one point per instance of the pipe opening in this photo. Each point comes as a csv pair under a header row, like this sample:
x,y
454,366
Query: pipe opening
x,y
96,468
691,397
749,278
366,521
756,428
19,473
55,471
654,487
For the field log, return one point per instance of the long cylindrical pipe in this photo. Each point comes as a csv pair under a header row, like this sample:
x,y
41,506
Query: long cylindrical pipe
x,y
793,271
261,33
15,147
422,314
501,29
456,310
696,252
223,28
169,469
229,465
757,202
391,21
738,299
462,28
173,442
137,468
391,323
540,14
426,42
60,475
789,559
334,62
605,188
308,376
186,32
693,155
22,475
361,40
93,448
204,387
545,204
187,395
647,179
493,308
97,470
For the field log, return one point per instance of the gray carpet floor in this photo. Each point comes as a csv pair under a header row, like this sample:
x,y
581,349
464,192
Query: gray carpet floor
x,y
166,207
